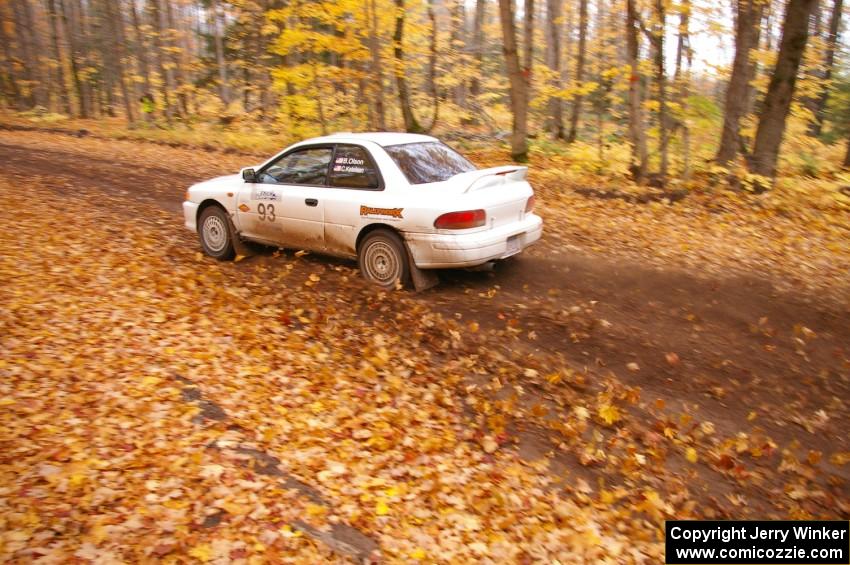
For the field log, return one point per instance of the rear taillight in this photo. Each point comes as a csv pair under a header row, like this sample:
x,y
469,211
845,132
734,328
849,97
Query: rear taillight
x,y
529,205
461,220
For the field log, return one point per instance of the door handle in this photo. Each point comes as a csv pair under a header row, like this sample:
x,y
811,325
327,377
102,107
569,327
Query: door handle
x,y
311,202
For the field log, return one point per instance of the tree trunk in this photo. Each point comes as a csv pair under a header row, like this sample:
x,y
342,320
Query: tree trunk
x,y
567,35
116,23
13,89
637,137
553,61
580,64
684,56
319,106
478,47
847,157
23,36
746,27
64,98
166,80
42,85
518,89
71,34
176,60
376,67
432,66
141,49
218,43
754,67
528,41
456,44
657,36
777,101
816,126
598,101
82,24
410,123
104,45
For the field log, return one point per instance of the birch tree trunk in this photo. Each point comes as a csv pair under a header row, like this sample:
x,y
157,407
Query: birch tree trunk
x,y
780,91
518,90
580,65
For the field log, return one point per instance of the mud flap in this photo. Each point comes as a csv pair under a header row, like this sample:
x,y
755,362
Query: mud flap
x,y
422,279
239,246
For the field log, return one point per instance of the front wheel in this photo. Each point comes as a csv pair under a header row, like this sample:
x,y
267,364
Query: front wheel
x,y
215,234
382,259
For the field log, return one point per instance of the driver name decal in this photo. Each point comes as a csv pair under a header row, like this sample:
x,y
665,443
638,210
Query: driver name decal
x,y
264,194
391,212
349,165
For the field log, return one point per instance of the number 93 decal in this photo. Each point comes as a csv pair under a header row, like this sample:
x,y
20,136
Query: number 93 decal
x,y
266,212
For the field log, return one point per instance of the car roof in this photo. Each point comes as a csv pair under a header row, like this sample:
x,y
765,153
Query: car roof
x,y
382,138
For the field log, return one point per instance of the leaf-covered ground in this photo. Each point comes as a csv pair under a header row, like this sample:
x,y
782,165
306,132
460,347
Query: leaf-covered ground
x,y
158,405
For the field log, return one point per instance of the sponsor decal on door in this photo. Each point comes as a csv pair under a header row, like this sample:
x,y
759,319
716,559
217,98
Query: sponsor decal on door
x,y
386,212
264,194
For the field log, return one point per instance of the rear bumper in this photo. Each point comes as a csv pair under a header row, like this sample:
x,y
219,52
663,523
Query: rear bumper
x,y
438,251
190,215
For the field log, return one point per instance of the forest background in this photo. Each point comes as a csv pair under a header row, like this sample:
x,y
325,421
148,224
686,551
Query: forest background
x,y
660,92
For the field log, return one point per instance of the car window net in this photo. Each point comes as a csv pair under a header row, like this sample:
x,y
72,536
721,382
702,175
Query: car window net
x,y
428,162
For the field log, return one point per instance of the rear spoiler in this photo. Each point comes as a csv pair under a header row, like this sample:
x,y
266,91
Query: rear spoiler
x,y
493,176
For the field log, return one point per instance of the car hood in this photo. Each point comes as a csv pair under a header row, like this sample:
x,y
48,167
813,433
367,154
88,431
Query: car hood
x,y
226,181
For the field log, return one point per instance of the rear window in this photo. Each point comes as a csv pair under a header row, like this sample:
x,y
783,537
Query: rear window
x,y
428,161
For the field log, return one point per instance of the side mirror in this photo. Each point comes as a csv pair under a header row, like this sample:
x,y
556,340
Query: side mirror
x,y
249,175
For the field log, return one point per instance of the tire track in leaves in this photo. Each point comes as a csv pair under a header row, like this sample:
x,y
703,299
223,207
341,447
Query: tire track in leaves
x,y
340,538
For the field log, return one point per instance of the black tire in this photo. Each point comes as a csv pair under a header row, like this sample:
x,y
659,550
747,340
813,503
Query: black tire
x,y
215,234
383,260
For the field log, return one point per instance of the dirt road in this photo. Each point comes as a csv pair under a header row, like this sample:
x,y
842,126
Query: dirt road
x,y
734,352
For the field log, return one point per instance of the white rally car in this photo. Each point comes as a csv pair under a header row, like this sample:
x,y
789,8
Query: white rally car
x,y
396,202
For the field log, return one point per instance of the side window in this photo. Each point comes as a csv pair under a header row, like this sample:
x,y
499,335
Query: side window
x,y
353,168
305,166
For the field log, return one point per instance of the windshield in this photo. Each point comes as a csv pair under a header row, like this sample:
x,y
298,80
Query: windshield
x,y
429,161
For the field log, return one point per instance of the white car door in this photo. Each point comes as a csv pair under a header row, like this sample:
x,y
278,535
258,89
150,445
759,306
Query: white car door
x,y
354,187
285,206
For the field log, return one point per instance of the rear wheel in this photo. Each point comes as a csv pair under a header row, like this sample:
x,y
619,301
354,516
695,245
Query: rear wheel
x,y
215,234
383,259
